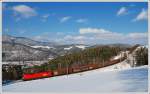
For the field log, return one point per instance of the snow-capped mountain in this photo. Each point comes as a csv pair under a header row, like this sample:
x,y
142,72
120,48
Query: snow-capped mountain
x,y
20,52
46,47
68,48
29,48
25,41
80,46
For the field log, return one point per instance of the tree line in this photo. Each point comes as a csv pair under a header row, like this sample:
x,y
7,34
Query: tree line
x,y
87,56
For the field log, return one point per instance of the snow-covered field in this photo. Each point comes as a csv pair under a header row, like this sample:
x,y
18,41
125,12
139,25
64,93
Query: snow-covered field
x,y
125,80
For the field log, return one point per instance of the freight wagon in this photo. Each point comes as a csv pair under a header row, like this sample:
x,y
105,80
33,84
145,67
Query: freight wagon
x,y
36,73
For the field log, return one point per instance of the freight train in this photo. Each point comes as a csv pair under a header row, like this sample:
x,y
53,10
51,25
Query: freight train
x,y
35,73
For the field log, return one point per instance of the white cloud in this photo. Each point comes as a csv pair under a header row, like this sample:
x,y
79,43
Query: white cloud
x,y
21,31
109,36
122,11
59,33
77,39
142,15
138,35
24,11
100,35
42,38
70,37
37,38
64,19
92,30
94,36
81,20
45,17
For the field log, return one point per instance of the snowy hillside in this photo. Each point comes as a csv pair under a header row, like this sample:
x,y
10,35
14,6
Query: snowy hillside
x,y
77,46
81,46
130,61
47,47
68,48
90,81
131,56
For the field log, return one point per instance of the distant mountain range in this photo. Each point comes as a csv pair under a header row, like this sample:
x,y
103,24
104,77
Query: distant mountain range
x,y
21,48
25,41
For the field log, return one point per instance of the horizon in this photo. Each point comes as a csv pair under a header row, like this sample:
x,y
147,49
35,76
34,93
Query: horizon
x,y
78,44
78,23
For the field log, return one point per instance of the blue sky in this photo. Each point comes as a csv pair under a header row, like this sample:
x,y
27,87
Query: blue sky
x,y
86,23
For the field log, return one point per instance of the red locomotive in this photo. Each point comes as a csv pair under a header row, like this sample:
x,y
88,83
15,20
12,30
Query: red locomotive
x,y
32,76
35,73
